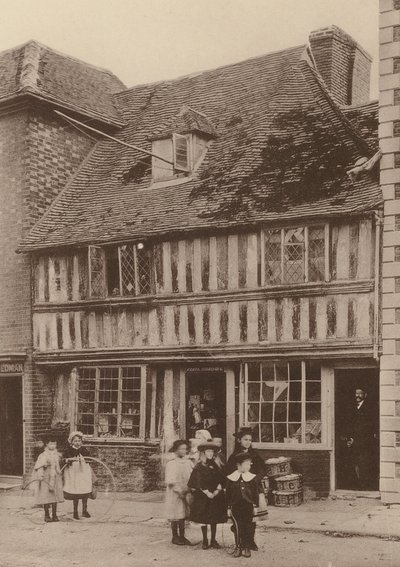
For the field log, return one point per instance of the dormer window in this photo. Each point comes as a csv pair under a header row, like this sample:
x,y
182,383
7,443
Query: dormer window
x,y
181,149
180,144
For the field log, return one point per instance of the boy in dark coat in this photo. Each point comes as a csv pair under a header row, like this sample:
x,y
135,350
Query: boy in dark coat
x,y
244,439
242,494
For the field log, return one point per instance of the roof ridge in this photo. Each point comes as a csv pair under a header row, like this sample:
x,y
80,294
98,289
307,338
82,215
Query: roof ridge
x,y
212,70
29,75
42,46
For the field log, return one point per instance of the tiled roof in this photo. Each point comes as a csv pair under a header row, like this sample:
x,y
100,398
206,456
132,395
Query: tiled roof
x,y
187,120
282,152
37,70
364,118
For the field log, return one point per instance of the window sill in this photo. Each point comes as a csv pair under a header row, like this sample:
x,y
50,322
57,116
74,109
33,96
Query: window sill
x,y
120,441
168,183
291,447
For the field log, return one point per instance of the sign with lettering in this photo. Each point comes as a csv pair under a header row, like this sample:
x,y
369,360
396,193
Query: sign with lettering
x,y
206,369
11,367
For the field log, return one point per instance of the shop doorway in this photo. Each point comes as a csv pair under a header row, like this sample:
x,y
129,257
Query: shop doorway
x,y
11,426
206,403
357,462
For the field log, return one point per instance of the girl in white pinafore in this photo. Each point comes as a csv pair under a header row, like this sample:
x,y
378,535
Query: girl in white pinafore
x,y
77,474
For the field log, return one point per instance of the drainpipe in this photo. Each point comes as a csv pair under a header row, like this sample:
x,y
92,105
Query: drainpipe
x,y
378,230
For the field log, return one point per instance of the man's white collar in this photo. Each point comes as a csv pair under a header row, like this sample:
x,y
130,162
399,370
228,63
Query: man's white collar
x,y
247,476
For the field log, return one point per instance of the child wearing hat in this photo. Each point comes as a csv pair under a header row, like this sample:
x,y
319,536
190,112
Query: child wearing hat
x,y
177,474
244,440
242,495
47,471
77,474
206,480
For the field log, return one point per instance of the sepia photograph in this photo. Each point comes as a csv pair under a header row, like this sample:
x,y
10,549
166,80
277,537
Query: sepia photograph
x,y
200,283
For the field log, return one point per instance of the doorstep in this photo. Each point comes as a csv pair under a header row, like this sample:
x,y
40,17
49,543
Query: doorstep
x,y
9,482
351,494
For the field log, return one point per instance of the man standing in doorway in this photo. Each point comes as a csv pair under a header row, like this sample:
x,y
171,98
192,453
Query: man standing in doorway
x,y
361,441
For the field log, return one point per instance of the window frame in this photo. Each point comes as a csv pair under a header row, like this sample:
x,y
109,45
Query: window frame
x,y
142,413
306,229
324,445
137,286
177,167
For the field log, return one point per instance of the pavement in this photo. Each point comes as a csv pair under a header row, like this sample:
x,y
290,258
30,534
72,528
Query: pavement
x,y
337,516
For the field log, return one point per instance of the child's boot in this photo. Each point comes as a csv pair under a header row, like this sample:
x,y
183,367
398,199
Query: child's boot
x,y
246,552
76,515
85,513
237,552
175,538
253,546
181,527
54,511
214,544
205,540
47,513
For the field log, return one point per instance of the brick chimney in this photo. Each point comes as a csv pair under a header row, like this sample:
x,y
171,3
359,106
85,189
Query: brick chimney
x,y
343,64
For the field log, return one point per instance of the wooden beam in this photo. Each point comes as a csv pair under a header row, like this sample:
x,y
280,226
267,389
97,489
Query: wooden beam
x,y
230,410
343,252
167,274
233,262
182,266
197,283
252,261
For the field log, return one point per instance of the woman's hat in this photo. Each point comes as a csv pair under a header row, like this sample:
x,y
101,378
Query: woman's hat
x,y
241,457
74,434
242,432
210,444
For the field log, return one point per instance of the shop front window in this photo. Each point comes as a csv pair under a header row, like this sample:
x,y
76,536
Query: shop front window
x,y
109,401
283,402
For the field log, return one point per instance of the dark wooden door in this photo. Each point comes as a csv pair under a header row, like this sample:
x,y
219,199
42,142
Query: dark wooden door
x,y
11,426
346,382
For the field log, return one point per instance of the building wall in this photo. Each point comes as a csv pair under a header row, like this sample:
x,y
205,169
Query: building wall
x,y
211,291
15,296
38,154
389,117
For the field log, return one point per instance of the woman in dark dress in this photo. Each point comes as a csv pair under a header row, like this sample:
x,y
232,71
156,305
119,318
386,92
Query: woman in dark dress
x,y
206,481
244,439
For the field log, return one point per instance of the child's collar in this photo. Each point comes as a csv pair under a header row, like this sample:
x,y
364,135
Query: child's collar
x,y
247,476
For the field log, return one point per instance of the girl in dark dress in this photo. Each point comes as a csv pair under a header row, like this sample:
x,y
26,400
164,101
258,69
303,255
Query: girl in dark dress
x,y
244,439
206,481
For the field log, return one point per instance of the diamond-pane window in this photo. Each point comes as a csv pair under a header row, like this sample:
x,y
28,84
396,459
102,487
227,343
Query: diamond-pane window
x,y
127,258
97,272
144,271
293,259
316,254
286,252
273,257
